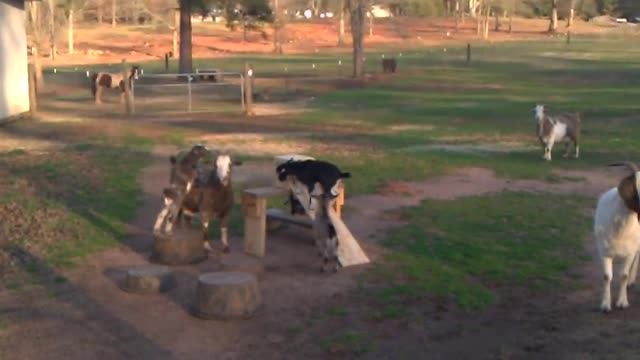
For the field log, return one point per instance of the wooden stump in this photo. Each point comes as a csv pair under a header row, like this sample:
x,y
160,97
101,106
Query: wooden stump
x,y
242,263
147,279
184,247
226,295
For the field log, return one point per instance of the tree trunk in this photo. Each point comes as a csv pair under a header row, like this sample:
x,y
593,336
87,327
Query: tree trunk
x,y
487,13
186,65
457,15
513,9
34,17
479,23
277,24
341,24
176,24
497,24
99,15
52,29
572,6
370,24
245,34
553,19
357,32
70,31
113,13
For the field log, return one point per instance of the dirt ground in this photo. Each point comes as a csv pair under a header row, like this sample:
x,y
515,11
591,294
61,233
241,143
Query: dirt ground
x,y
104,45
91,317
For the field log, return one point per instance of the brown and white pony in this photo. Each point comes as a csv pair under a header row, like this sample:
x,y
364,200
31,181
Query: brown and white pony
x,y
101,80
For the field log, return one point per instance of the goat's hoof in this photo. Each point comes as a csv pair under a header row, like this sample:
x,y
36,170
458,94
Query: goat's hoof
x,y
226,250
622,305
207,247
605,308
631,285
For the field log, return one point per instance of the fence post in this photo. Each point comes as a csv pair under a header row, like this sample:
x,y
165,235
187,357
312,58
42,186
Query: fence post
x,y
248,89
242,92
33,102
127,89
166,62
189,90
468,53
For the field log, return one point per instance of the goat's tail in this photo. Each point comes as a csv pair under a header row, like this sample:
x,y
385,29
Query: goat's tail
x,y
94,84
345,175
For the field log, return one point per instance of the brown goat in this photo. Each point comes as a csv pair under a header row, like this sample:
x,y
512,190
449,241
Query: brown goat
x,y
211,195
563,127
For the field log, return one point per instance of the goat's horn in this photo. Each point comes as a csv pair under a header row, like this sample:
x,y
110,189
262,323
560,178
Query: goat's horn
x,y
632,166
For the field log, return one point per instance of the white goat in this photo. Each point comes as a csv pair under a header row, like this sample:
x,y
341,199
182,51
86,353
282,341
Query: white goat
x,y
617,234
563,127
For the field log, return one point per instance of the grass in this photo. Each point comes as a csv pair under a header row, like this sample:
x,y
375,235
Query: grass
x,y
465,248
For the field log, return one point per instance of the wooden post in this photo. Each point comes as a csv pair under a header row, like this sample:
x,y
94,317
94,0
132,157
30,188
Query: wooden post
x,y
248,89
254,209
33,103
127,88
568,36
468,53
166,62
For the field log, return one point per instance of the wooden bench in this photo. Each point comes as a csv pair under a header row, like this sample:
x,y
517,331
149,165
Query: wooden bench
x,y
255,212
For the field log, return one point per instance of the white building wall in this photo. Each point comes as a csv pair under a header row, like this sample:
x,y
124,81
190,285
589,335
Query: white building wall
x,y
14,81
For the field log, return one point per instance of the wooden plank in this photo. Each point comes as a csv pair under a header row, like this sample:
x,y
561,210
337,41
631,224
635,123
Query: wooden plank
x,y
255,232
253,206
349,251
281,215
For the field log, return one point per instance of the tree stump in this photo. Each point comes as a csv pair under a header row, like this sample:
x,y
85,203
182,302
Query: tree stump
x,y
147,279
183,247
242,263
226,295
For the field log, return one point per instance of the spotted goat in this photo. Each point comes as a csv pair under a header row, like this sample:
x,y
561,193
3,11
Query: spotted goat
x,y
551,129
102,80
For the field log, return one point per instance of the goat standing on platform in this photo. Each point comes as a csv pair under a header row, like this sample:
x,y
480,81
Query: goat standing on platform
x,y
325,234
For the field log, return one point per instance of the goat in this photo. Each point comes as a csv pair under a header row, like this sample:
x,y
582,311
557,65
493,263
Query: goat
x,y
325,234
564,127
310,172
101,80
617,234
389,65
211,195
181,178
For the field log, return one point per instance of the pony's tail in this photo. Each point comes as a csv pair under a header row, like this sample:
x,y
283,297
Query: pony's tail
x,y
94,84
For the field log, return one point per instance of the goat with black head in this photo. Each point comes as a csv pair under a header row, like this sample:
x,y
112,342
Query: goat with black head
x,y
310,172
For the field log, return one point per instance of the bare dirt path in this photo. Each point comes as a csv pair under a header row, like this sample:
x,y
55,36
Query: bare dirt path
x,y
90,317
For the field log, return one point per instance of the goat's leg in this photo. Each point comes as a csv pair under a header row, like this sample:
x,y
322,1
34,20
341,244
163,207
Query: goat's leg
x,y
548,149
623,302
607,267
577,146
633,273
122,97
204,219
224,233
98,94
566,149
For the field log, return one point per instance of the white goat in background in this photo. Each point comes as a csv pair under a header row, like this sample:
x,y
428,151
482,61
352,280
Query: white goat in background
x,y
564,127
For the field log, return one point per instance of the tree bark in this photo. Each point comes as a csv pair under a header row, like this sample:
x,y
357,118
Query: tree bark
x,y
176,24
572,6
36,30
52,29
457,15
357,31
513,9
186,65
113,13
553,18
99,15
70,30
277,26
479,21
341,23
497,22
487,13
370,24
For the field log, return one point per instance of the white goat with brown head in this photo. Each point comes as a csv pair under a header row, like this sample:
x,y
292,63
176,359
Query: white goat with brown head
x,y
617,234
563,127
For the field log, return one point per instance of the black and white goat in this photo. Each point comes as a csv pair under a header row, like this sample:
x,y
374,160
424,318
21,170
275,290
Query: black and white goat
x,y
563,127
325,235
211,195
617,234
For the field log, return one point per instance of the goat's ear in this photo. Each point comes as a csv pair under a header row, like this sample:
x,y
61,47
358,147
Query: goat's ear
x,y
172,159
629,194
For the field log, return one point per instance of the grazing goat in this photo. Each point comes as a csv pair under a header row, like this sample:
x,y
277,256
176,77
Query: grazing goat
x,y
564,127
211,195
617,234
111,81
325,234
389,65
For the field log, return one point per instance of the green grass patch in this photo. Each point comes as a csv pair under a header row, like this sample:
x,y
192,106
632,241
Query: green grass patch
x,y
462,249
